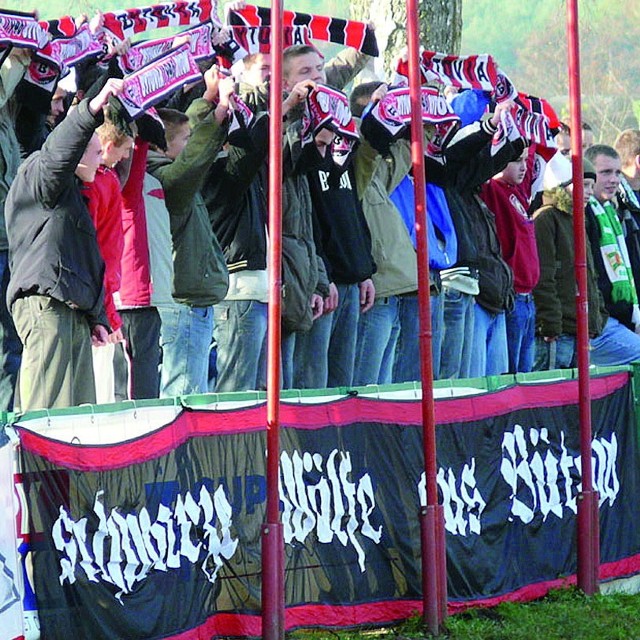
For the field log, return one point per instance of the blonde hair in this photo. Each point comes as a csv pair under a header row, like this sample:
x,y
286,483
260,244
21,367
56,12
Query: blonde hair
x,y
110,132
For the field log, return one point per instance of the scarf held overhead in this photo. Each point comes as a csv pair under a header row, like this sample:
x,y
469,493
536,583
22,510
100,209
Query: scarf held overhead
x,y
121,25
22,30
394,112
349,33
329,108
167,73
201,40
463,72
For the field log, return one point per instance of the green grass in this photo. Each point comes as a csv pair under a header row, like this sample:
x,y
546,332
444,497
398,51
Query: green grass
x,y
562,615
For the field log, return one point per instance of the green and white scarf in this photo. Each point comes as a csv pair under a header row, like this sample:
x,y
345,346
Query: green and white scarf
x,y
615,256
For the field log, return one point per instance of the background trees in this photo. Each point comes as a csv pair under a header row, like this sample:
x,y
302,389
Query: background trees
x,y
526,38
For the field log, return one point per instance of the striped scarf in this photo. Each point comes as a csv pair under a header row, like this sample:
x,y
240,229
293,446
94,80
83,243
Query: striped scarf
x,y
613,250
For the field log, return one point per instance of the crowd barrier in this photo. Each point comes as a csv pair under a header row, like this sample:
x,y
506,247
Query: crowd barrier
x,y
143,520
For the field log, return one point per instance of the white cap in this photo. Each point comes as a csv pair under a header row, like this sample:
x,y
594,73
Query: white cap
x,y
557,173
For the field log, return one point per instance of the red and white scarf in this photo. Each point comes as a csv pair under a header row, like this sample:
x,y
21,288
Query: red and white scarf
x,y
350,33
157,79
54,60
251,40
393,113
121,25
22,30
201,43
463,72
328,108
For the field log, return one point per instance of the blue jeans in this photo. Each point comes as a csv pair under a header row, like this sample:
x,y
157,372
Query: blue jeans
x,y
615,345
287,348
521,329
10,345
240,332
378,332
558,354
457,340
325,355
406,367
489,356
185,338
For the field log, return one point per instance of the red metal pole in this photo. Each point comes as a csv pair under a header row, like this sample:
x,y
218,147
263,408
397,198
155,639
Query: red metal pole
x,y
588,515
272,535
434,578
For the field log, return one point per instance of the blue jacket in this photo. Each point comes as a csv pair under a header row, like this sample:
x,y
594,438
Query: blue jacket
x,y
443,243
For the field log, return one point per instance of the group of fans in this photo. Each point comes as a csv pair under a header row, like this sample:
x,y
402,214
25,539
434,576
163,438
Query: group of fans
x,y
137,249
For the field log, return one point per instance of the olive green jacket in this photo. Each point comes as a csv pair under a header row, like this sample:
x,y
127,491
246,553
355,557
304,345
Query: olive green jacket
x,y
200,278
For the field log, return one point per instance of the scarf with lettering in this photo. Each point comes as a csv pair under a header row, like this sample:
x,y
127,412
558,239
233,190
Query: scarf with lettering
x,y
615,256
157,79
120,25
504,89
21,30
249,40
55,59
201,39
349,33
463,72
328,108
394,112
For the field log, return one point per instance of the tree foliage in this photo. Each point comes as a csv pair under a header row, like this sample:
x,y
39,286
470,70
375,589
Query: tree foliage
x,y
533,52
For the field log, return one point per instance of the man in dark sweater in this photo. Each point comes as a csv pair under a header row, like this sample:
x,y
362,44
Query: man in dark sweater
x,y
325,355
56,289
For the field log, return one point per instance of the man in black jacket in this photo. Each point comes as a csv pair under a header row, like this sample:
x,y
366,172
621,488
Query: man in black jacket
x,y
56,289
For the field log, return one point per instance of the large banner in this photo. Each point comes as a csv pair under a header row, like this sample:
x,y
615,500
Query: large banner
x,y
159,536
10,579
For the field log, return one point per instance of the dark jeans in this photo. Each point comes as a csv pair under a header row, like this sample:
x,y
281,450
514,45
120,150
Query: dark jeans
x,y
141,352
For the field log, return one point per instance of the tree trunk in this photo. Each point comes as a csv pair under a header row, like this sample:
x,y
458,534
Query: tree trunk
x,y
440,24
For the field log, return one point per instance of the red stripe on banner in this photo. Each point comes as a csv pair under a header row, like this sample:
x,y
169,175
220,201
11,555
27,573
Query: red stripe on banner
x,y
524,397
463,409
378,613
336,413
187,425
288,18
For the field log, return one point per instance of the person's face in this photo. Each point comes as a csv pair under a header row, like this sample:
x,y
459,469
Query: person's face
x,y
309,66
90,161
588,188
57,106
323,139
587,139
607,177
563,140
179,141
112,153
515,171
258,72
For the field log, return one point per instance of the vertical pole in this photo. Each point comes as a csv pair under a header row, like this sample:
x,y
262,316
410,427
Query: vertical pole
x,y
272,537
434,577
588,516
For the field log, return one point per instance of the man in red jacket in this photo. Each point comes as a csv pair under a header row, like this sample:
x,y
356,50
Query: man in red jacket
x,y
104,201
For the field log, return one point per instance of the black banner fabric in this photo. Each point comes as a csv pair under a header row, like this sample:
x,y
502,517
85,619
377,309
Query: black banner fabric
x,y
159,537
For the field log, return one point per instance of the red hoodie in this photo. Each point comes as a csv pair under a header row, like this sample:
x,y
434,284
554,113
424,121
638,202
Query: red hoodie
x,y
136,288
516,232
105,207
